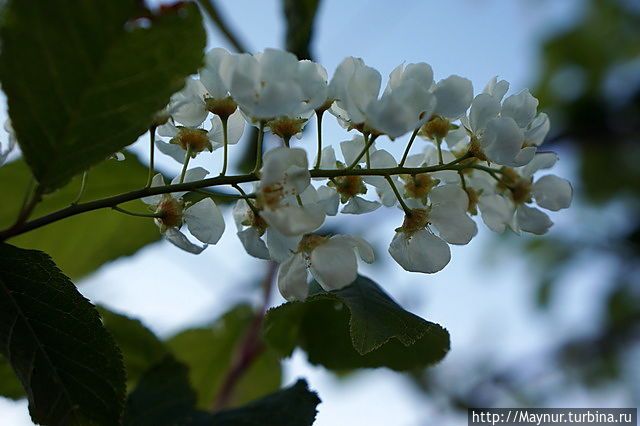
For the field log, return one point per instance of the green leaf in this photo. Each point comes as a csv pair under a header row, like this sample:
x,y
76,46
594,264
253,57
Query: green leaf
x,y
90,239
67,362
84,79
141,349
355,327
210,353
292,406
163,397
10,386
300,15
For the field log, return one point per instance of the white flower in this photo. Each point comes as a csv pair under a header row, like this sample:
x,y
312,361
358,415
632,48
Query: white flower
x,y
197,139
420,251
285,176
454,95
509,208
267,85
187,106
508,132
406,103
203,219
312,78
416,248
332,262
355,86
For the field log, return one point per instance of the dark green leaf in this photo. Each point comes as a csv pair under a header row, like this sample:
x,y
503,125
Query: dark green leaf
x,y
90,239
163,397
300,15
210,353
355,327
292,406
67,362
141,349
10,386
84,79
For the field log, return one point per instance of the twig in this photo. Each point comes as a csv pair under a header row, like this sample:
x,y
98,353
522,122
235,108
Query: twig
x,y
250,347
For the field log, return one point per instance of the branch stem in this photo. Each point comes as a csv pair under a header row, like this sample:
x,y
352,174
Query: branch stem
x,y
225,122
406,208
152,151
319,124
408,148
24,225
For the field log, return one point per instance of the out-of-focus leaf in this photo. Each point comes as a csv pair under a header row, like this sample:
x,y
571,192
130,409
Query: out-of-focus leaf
x,y
210,352
65,359
292,406
141,349
81,244
300,16
355,327
10,386
164,397
84,79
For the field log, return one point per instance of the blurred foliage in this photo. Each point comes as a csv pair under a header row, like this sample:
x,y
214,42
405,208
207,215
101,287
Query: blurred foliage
x,y
211,352
300,16
81,244
589,84
357,326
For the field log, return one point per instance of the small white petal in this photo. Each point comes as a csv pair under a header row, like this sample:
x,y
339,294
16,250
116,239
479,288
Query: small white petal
x,y
452,195
502,140
497,212
542,160
496,88
205,221
295,220
178,239
362,246
538,130
292,279
483,108
454,95
521,107
420,252
533,220
358,205
333,264
453,224
172,150
329,199
280,246
552,192
252,243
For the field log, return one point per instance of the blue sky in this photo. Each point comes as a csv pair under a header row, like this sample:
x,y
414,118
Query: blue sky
x,y
484,289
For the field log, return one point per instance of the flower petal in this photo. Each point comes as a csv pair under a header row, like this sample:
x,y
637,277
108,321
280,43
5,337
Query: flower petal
x,y
253,245
205,221
420,252
552,192
178,239
533,220
358,205
333,264
292,279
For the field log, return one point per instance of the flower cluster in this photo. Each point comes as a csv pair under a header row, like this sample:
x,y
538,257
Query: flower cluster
x,y
479,158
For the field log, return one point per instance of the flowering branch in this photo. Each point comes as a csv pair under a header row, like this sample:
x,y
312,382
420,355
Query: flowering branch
x,y
110,202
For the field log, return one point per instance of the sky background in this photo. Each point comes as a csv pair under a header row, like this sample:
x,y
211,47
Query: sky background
x,y
483,297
